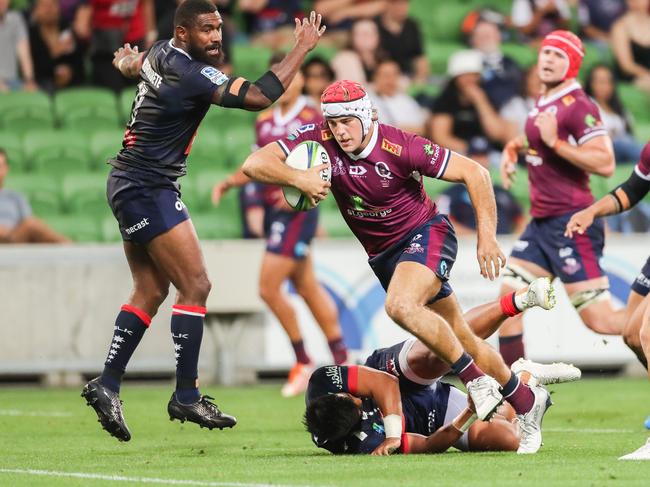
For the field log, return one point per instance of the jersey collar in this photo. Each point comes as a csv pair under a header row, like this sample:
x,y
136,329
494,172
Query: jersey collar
x,y
556,96
293,112
369,148
179,50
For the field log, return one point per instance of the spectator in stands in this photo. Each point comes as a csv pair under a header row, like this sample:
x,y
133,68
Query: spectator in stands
x,y
17,225
359,60
601,87
108,25
501,77
58,61
517,109
14,50
339,15
533,19
464,119
631,43
400,37
271,22
318,75
394,106
596,18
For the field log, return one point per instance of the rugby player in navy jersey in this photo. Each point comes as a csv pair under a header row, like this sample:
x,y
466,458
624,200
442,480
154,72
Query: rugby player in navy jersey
x,y
179,80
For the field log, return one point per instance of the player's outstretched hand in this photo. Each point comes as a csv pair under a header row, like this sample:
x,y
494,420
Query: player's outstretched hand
x,y
218,190
312,184
122,53
388,446
309,31
579,223
508,164
490,258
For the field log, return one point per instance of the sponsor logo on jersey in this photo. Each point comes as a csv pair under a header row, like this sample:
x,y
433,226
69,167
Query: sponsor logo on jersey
x,y
179,205
338,168
326,135
362,210
642,280
378,428
214,75
306,128
301,249
534,160
382,169
590,121
357,170
431,421
428,149
391,367
552,109
391,147
138,226
568,100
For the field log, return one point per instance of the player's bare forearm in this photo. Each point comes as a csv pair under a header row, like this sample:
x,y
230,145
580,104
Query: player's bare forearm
x,y
128,61
266,165
383,388
596,156
438,442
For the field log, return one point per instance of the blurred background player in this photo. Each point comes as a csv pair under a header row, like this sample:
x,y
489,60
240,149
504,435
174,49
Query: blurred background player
x,y
360,409
411,247
636,331
179,82
564,142
289,234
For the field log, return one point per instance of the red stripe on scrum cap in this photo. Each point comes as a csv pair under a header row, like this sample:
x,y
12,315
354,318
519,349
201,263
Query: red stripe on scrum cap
x,y
179,308
144,317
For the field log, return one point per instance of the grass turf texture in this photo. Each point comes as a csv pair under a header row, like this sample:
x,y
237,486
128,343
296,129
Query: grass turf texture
x,y
592,423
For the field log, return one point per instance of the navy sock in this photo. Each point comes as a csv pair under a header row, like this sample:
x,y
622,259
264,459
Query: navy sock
x,y
130,326
466,369
187,333
301,353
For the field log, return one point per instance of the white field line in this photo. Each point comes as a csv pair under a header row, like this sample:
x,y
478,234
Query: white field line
x,y
588,430
140,480
46,414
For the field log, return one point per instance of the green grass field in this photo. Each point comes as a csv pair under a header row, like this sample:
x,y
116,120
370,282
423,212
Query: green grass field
x,y
592,423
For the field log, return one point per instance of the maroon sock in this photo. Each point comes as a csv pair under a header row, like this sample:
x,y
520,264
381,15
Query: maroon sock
x,y
466,369
519,395
511,348
339,350
301,353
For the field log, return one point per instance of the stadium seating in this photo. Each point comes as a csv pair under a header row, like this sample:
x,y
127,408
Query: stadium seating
x,y
56,152
12,144
43,192
80,228
104,144
85,193
87,109
22,111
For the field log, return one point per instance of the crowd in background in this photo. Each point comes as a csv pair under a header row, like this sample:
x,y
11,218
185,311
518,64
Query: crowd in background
x,y
481,103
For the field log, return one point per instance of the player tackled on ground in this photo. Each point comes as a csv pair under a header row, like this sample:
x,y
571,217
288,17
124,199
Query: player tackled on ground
x,y
180,79
636,331
288,240
396,402
564,142
377,173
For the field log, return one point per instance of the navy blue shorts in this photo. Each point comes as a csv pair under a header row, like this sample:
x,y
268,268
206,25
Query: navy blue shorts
x,y
432,244
641,284
290,232
144,205
388,360
571,259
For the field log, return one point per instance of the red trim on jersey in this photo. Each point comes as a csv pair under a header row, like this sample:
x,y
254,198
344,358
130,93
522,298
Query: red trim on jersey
x,y
182,309
144,317
189,146
406,449
353,379
507,303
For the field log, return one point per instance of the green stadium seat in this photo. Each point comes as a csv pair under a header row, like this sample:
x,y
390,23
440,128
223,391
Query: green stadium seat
x,y
239,141
87,109
434,187
126,102
333,223
56,152
219,119
524,55
79,228
217,224
642,132
208,151
251,62
85,194
104,144
22,111
110,230
635,101
12,144
42,191
438,54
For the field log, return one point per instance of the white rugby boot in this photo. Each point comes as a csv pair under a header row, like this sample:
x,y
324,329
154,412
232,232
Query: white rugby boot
x,y
642,453
486,396
530,423
540,293
545,374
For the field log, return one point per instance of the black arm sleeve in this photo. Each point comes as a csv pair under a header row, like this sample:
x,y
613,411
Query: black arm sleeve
x,y
636,188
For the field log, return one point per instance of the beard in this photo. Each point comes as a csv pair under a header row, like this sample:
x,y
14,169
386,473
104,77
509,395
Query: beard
x,y
201,54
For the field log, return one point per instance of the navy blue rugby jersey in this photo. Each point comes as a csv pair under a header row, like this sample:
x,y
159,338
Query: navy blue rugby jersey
x,y
174,94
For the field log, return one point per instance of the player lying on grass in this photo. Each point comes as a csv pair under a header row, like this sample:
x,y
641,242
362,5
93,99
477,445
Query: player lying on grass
x,y
396,402
636,331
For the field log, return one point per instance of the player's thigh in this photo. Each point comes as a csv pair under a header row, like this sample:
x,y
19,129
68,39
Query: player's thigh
x,y
634,322
275,270
303,275
147,277
177,253
412,284
450,310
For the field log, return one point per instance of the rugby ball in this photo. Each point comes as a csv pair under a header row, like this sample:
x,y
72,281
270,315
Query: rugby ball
x,y
304,156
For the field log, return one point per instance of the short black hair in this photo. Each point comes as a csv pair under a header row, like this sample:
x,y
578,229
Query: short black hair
x,y
187,12
331,417
317,60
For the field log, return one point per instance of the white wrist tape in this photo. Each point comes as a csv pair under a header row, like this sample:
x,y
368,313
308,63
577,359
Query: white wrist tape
x,y
393,425
119,63
465,426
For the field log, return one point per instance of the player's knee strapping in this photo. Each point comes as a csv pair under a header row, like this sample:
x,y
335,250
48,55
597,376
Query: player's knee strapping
x,y
583,299
517,277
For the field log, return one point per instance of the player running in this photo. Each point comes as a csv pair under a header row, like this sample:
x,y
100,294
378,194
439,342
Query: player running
x,y
289,234
360,409
636,331
565,142
179,82
377,173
